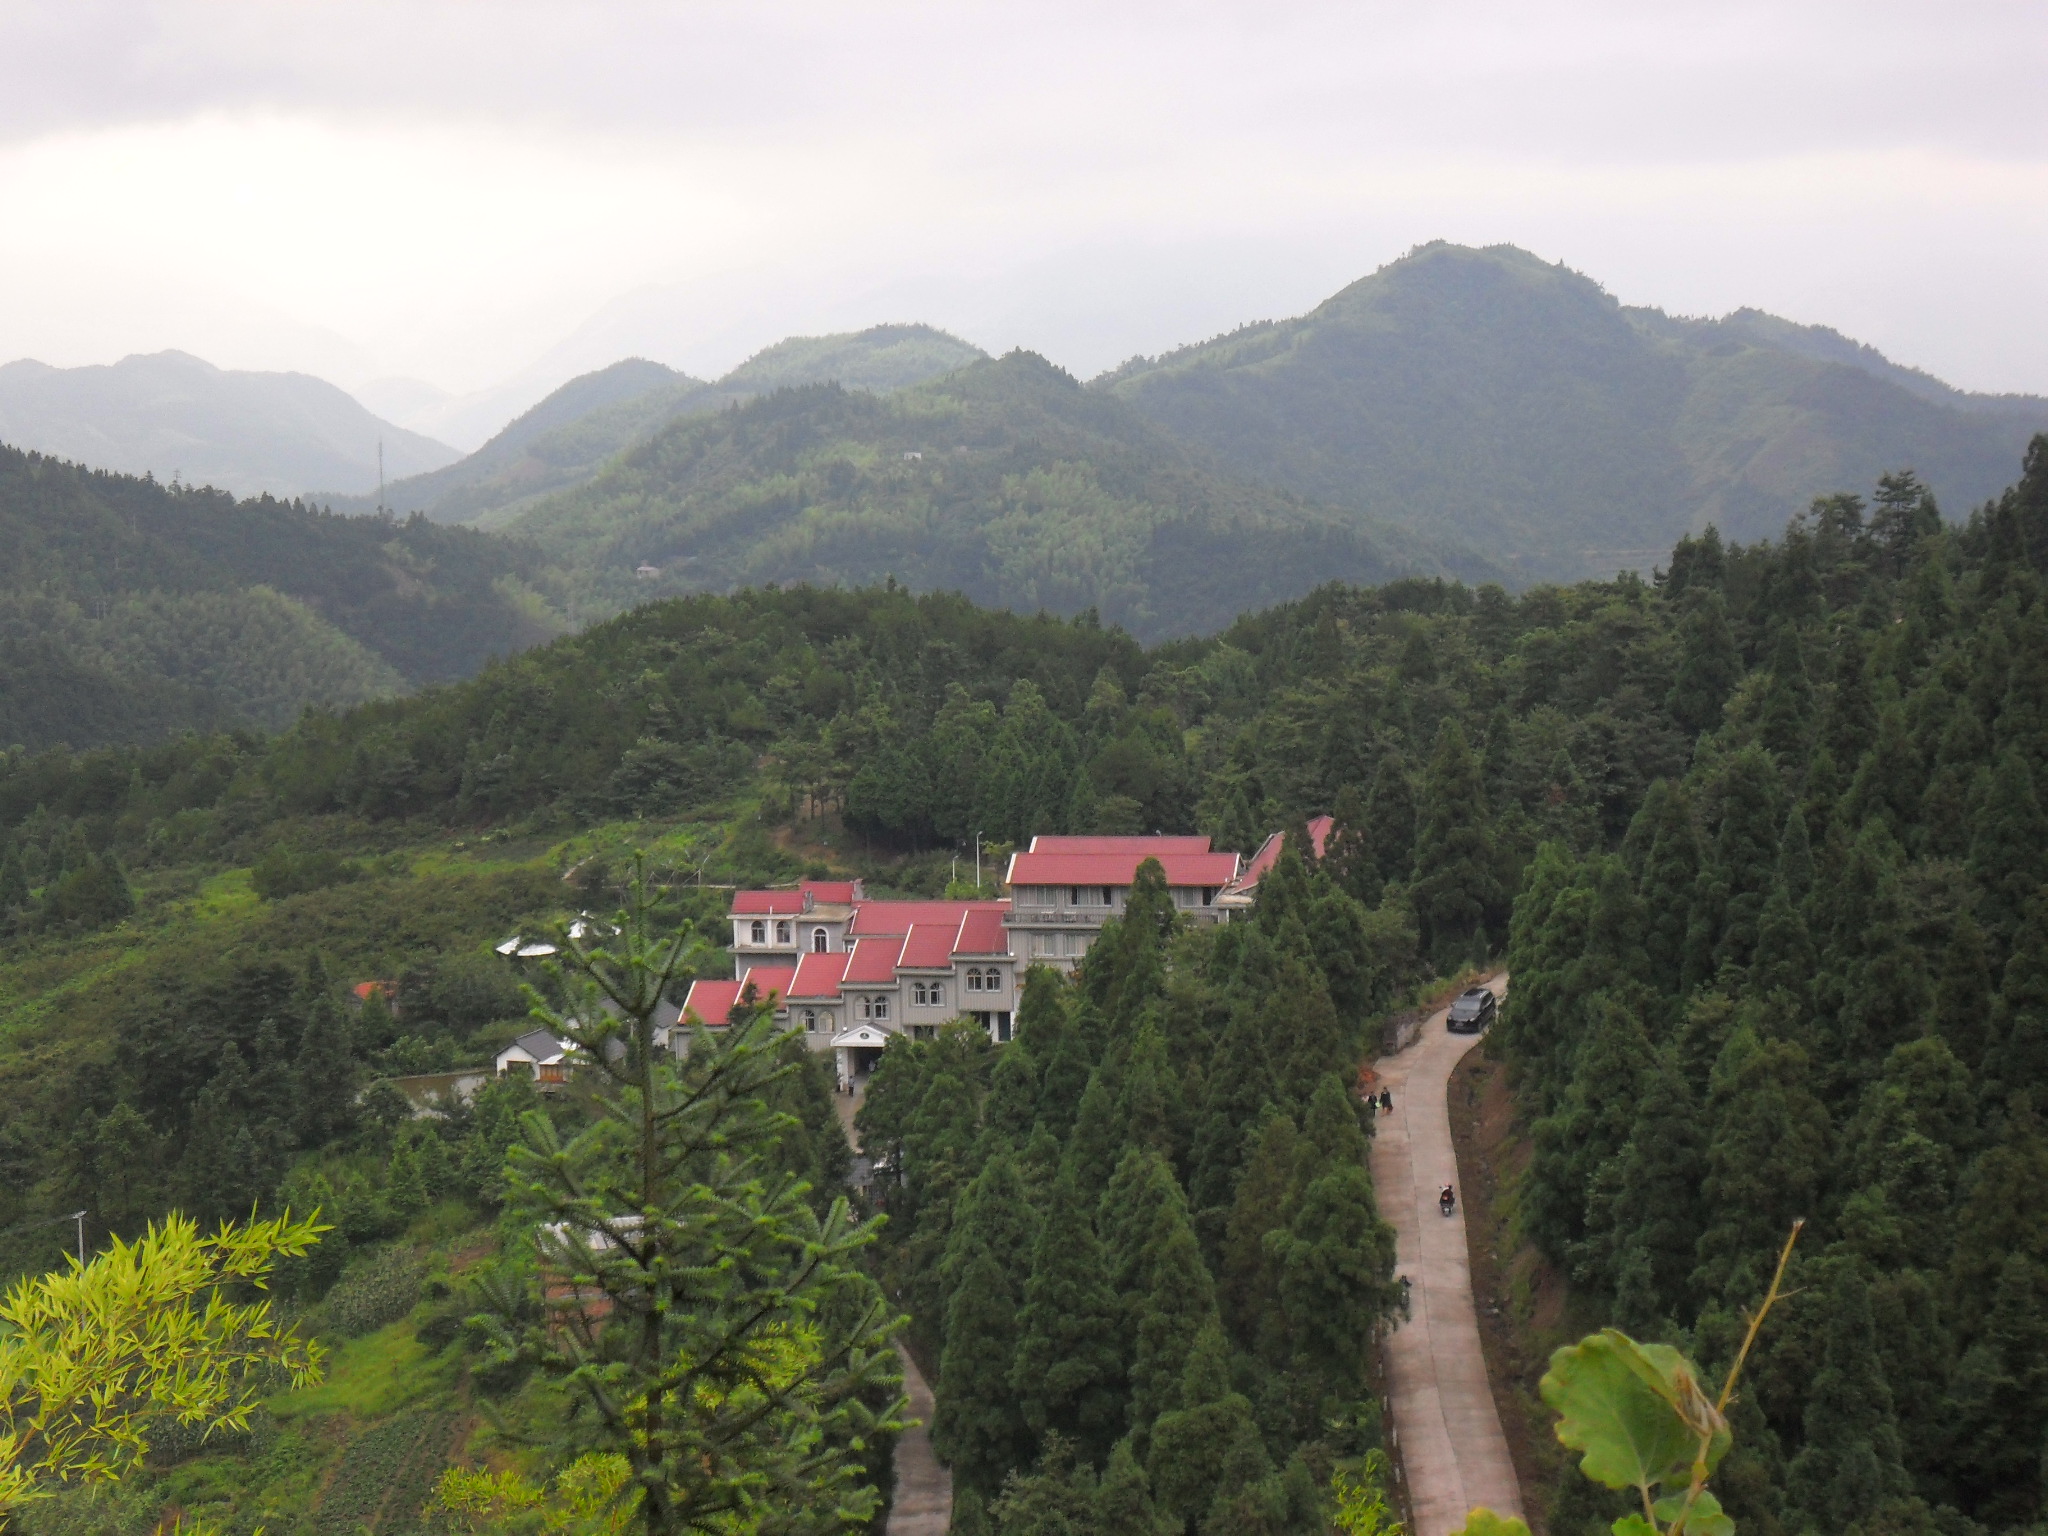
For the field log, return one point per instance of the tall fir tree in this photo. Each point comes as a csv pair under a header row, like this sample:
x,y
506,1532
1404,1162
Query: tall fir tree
x,y
1068,1372
1456,886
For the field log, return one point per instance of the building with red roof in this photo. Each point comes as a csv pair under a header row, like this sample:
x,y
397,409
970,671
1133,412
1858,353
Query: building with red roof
x,y
1245,888
851,973
1063,889
808,918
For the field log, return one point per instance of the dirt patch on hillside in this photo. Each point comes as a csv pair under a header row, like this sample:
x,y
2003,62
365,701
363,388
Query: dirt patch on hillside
x,y
1524,1305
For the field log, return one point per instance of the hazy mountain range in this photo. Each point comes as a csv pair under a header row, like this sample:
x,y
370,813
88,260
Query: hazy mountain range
x,y
1475,414
169,415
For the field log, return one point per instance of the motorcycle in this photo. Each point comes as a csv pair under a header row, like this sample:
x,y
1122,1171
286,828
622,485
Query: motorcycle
x,y
1446,1201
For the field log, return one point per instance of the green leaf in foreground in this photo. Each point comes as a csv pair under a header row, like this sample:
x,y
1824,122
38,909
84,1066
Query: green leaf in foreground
x,y
1484,1522
1635,1411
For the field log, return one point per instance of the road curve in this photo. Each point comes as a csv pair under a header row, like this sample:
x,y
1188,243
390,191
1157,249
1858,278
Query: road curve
x,y
1453,1452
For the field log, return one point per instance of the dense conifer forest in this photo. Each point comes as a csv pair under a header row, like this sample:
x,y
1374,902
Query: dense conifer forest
x,y
1759,839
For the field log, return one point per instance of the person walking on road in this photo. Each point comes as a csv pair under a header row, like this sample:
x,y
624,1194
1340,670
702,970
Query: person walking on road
x,y
1386,1101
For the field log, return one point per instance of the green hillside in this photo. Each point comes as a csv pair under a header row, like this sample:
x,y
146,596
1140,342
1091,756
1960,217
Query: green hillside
x,y
1762,841
558,442
1516,406
571,434
131,610
1006,481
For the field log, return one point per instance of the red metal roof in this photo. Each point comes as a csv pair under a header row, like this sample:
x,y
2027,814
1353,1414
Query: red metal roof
x,y
819,975
874,961
1153,845
710,1002
1203,869
872,918
929,947
769,981
767,903
982,933
1269,851
791,903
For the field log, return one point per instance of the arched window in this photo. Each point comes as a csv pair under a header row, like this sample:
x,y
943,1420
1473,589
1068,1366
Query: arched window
x,y
867,1007
757,932
938,997
973,979
881,1007
819,941
811,1021
782,933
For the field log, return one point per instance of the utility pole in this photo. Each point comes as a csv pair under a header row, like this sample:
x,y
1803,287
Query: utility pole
x,y
79,1217
977,863
380,477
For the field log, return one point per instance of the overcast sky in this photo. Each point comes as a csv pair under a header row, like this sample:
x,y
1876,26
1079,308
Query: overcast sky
x,y
470,192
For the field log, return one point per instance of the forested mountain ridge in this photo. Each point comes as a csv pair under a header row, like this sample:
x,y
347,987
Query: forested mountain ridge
x,y
1517,406
570,435
1812,981
172,415
1625,779
1005,480
131,610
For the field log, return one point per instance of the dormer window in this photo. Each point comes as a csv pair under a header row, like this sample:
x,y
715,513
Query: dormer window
x,y
820,941
757,932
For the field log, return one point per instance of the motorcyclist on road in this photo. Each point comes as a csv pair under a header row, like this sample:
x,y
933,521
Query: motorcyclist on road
x,y
1446,1198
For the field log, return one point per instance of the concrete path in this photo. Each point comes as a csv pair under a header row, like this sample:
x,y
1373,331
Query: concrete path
x,y
924,1490
1452,1449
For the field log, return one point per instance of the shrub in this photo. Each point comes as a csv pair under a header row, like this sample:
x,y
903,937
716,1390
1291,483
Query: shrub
x,y
378,1289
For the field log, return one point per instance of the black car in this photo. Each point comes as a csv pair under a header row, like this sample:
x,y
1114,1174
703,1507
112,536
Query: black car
x,y
1472,1012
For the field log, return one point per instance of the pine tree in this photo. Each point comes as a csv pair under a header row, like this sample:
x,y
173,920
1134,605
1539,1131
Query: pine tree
x,y
2017,1061
1209,1446
325,1075
979,1427
405,1190
1850,1465
1962,995
1068,1373
1097,1142
1745,860
1785,721
1670,873
1334,1264
1709,665
2023,714
1245,1275
1795,858
1123,1499
2001,1397
2005,849
1592,1123
1349,856
1849,723
1889,782
1390,821
1178,1305
1653,1215
1011,1107
1766,1160
1456,881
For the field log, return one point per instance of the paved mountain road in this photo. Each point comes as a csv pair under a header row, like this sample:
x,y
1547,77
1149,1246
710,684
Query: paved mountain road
x,y
1453,1452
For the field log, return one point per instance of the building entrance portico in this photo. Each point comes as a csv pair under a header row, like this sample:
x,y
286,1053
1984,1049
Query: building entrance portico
x,y
857,1050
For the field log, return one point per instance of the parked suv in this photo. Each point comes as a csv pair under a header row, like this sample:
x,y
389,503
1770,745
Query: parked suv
x,y
1472,1012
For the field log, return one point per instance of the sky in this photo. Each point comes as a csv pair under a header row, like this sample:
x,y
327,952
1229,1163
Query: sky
x,y
488,196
